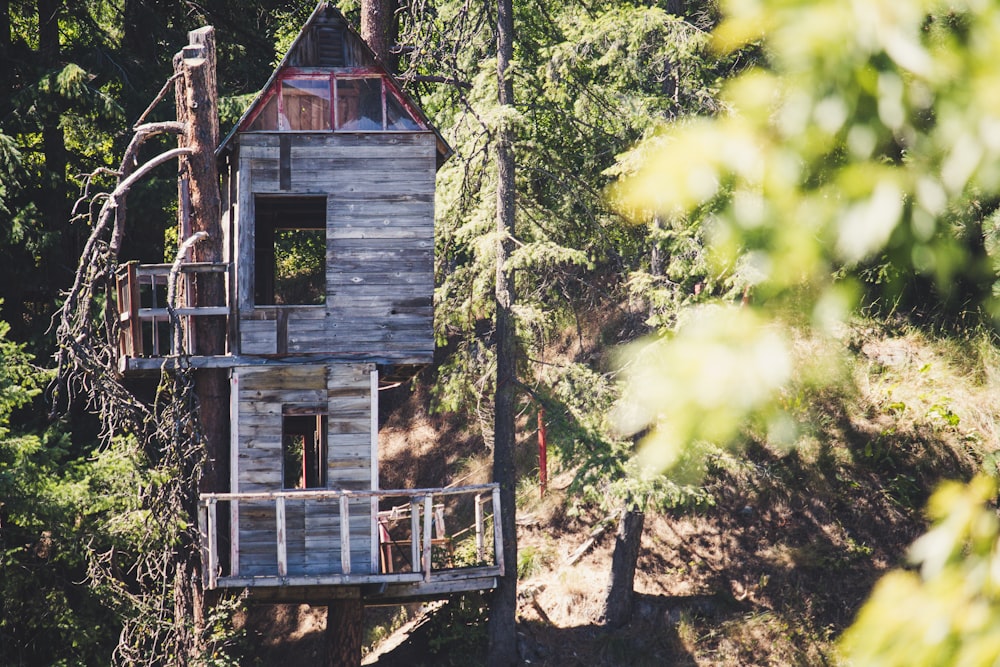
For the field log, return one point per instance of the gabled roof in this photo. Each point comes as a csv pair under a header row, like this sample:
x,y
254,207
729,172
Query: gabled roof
x,y
328,41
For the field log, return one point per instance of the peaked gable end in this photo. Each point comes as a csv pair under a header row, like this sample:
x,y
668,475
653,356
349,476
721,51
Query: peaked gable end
x,y
330,80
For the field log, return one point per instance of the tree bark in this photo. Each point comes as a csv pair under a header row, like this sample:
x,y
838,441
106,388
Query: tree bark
x,y
199,206
344,627
618,603
380,30
200,210
502,629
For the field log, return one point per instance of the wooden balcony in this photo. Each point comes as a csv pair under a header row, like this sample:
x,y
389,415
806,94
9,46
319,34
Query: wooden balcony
x,y
412,555
145,332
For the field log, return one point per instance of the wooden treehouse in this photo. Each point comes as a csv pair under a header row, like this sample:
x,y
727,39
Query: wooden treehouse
x,y
327,186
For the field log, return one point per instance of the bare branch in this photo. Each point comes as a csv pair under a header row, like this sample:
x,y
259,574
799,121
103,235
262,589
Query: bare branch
x,y
428,78
159,98
175,270
129,162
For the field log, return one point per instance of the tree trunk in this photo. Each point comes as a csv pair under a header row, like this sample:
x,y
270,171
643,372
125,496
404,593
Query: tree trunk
x,y
52,202
200,210
502,627
344,628
380,30
199,207
618,603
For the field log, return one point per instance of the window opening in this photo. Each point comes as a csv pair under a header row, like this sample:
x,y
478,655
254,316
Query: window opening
x,y
303,451
290,251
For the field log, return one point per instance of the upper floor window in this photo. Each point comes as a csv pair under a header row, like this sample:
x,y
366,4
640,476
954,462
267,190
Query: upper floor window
x,y
341,102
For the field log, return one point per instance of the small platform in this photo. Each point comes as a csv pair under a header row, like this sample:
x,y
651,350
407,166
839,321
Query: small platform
x,y
412,556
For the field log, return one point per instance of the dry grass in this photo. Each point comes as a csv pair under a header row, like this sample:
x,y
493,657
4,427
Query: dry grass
x,y
776,570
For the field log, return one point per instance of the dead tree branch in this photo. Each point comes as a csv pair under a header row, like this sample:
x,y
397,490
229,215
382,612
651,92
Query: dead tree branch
x,y
159,98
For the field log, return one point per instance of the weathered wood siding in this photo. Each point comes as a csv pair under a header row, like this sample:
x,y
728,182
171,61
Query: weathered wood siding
x,y
262,396
380,243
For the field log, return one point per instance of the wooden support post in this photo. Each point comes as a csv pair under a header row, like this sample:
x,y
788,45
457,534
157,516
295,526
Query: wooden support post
x,y
345,534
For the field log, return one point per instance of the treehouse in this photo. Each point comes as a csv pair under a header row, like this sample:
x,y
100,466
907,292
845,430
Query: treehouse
x,y
327,185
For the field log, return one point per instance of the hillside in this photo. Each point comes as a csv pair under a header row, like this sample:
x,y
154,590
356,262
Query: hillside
x,y
775,568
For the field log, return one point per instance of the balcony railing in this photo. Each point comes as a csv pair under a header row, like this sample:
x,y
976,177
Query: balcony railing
x,y
408,542
144,320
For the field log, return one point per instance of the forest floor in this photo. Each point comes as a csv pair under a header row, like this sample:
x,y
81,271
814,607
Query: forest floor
x,y
769,573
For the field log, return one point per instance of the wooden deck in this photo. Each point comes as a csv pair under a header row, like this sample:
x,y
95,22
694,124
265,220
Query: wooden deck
x,y
425,573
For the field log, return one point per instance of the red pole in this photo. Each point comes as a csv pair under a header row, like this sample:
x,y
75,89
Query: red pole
x,y
543,472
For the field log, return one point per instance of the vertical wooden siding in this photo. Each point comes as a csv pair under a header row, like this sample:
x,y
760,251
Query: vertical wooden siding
x,y
343,392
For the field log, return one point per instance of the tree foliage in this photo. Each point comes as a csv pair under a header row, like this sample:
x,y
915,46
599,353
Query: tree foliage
x,y
858,165
589,81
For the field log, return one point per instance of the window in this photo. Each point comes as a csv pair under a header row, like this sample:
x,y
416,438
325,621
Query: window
x,y
307,104
360,103
303,451
290,251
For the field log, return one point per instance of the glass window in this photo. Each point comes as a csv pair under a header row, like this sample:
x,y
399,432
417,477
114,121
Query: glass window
x,y
267,118
397,117
363,104
359,104
307,104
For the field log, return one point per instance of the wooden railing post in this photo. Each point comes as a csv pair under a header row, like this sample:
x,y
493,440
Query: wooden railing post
x,y
497,531
414,535
345,534
279,517
204,541
213,544
428,516
427,530
480,547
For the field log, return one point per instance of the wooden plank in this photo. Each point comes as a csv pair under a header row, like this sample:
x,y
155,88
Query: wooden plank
x,y
244,237
373,466
234,471
411,217
428,515
279,515
288,395
306,313
206,544
279,378
340,157
378,164
497,532
345,536
245,407
480,550
378,202
213,544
